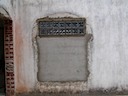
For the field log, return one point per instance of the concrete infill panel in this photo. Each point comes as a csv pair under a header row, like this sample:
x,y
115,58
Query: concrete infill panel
x,y
62,59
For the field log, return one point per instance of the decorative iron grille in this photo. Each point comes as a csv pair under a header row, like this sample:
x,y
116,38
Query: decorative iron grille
x,y
62,27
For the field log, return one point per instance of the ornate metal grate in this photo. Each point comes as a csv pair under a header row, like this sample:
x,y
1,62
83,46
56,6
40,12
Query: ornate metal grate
x,y
62,27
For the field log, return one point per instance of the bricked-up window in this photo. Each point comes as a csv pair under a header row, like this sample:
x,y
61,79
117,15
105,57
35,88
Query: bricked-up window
x,y
62,49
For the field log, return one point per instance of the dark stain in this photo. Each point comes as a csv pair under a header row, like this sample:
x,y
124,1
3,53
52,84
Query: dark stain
x,y
18,39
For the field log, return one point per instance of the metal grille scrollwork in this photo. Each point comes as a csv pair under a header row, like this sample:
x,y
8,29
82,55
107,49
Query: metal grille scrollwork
x,y
62,27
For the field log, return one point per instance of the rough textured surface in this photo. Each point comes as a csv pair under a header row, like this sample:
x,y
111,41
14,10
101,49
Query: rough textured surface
x,y
107,20
69,94
73,87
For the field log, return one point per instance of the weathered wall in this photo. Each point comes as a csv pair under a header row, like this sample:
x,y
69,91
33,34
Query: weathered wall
x,y
107,21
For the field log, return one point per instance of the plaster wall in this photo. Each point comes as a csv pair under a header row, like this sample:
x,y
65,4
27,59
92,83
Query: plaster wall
x,y
107,20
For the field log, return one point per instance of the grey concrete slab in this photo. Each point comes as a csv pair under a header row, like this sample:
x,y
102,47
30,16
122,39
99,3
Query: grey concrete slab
x,y
62,59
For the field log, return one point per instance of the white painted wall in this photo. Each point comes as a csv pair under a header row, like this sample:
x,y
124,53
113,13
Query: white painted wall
x,y
107,21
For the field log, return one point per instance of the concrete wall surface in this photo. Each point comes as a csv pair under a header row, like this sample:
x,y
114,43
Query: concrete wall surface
x,y
107,21
62,59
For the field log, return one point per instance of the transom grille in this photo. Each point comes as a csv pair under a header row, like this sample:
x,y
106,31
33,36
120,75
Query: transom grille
x,y
62,27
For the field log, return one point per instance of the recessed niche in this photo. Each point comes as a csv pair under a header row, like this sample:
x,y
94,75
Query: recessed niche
x,y
62,57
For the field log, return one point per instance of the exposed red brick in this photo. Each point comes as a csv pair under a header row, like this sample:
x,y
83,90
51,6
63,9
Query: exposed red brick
x,y
9,63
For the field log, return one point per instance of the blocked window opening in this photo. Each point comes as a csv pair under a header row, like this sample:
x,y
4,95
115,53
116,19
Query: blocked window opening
x,y
62,49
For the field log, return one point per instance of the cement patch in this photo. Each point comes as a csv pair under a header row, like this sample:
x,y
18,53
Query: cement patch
x,y
62,59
